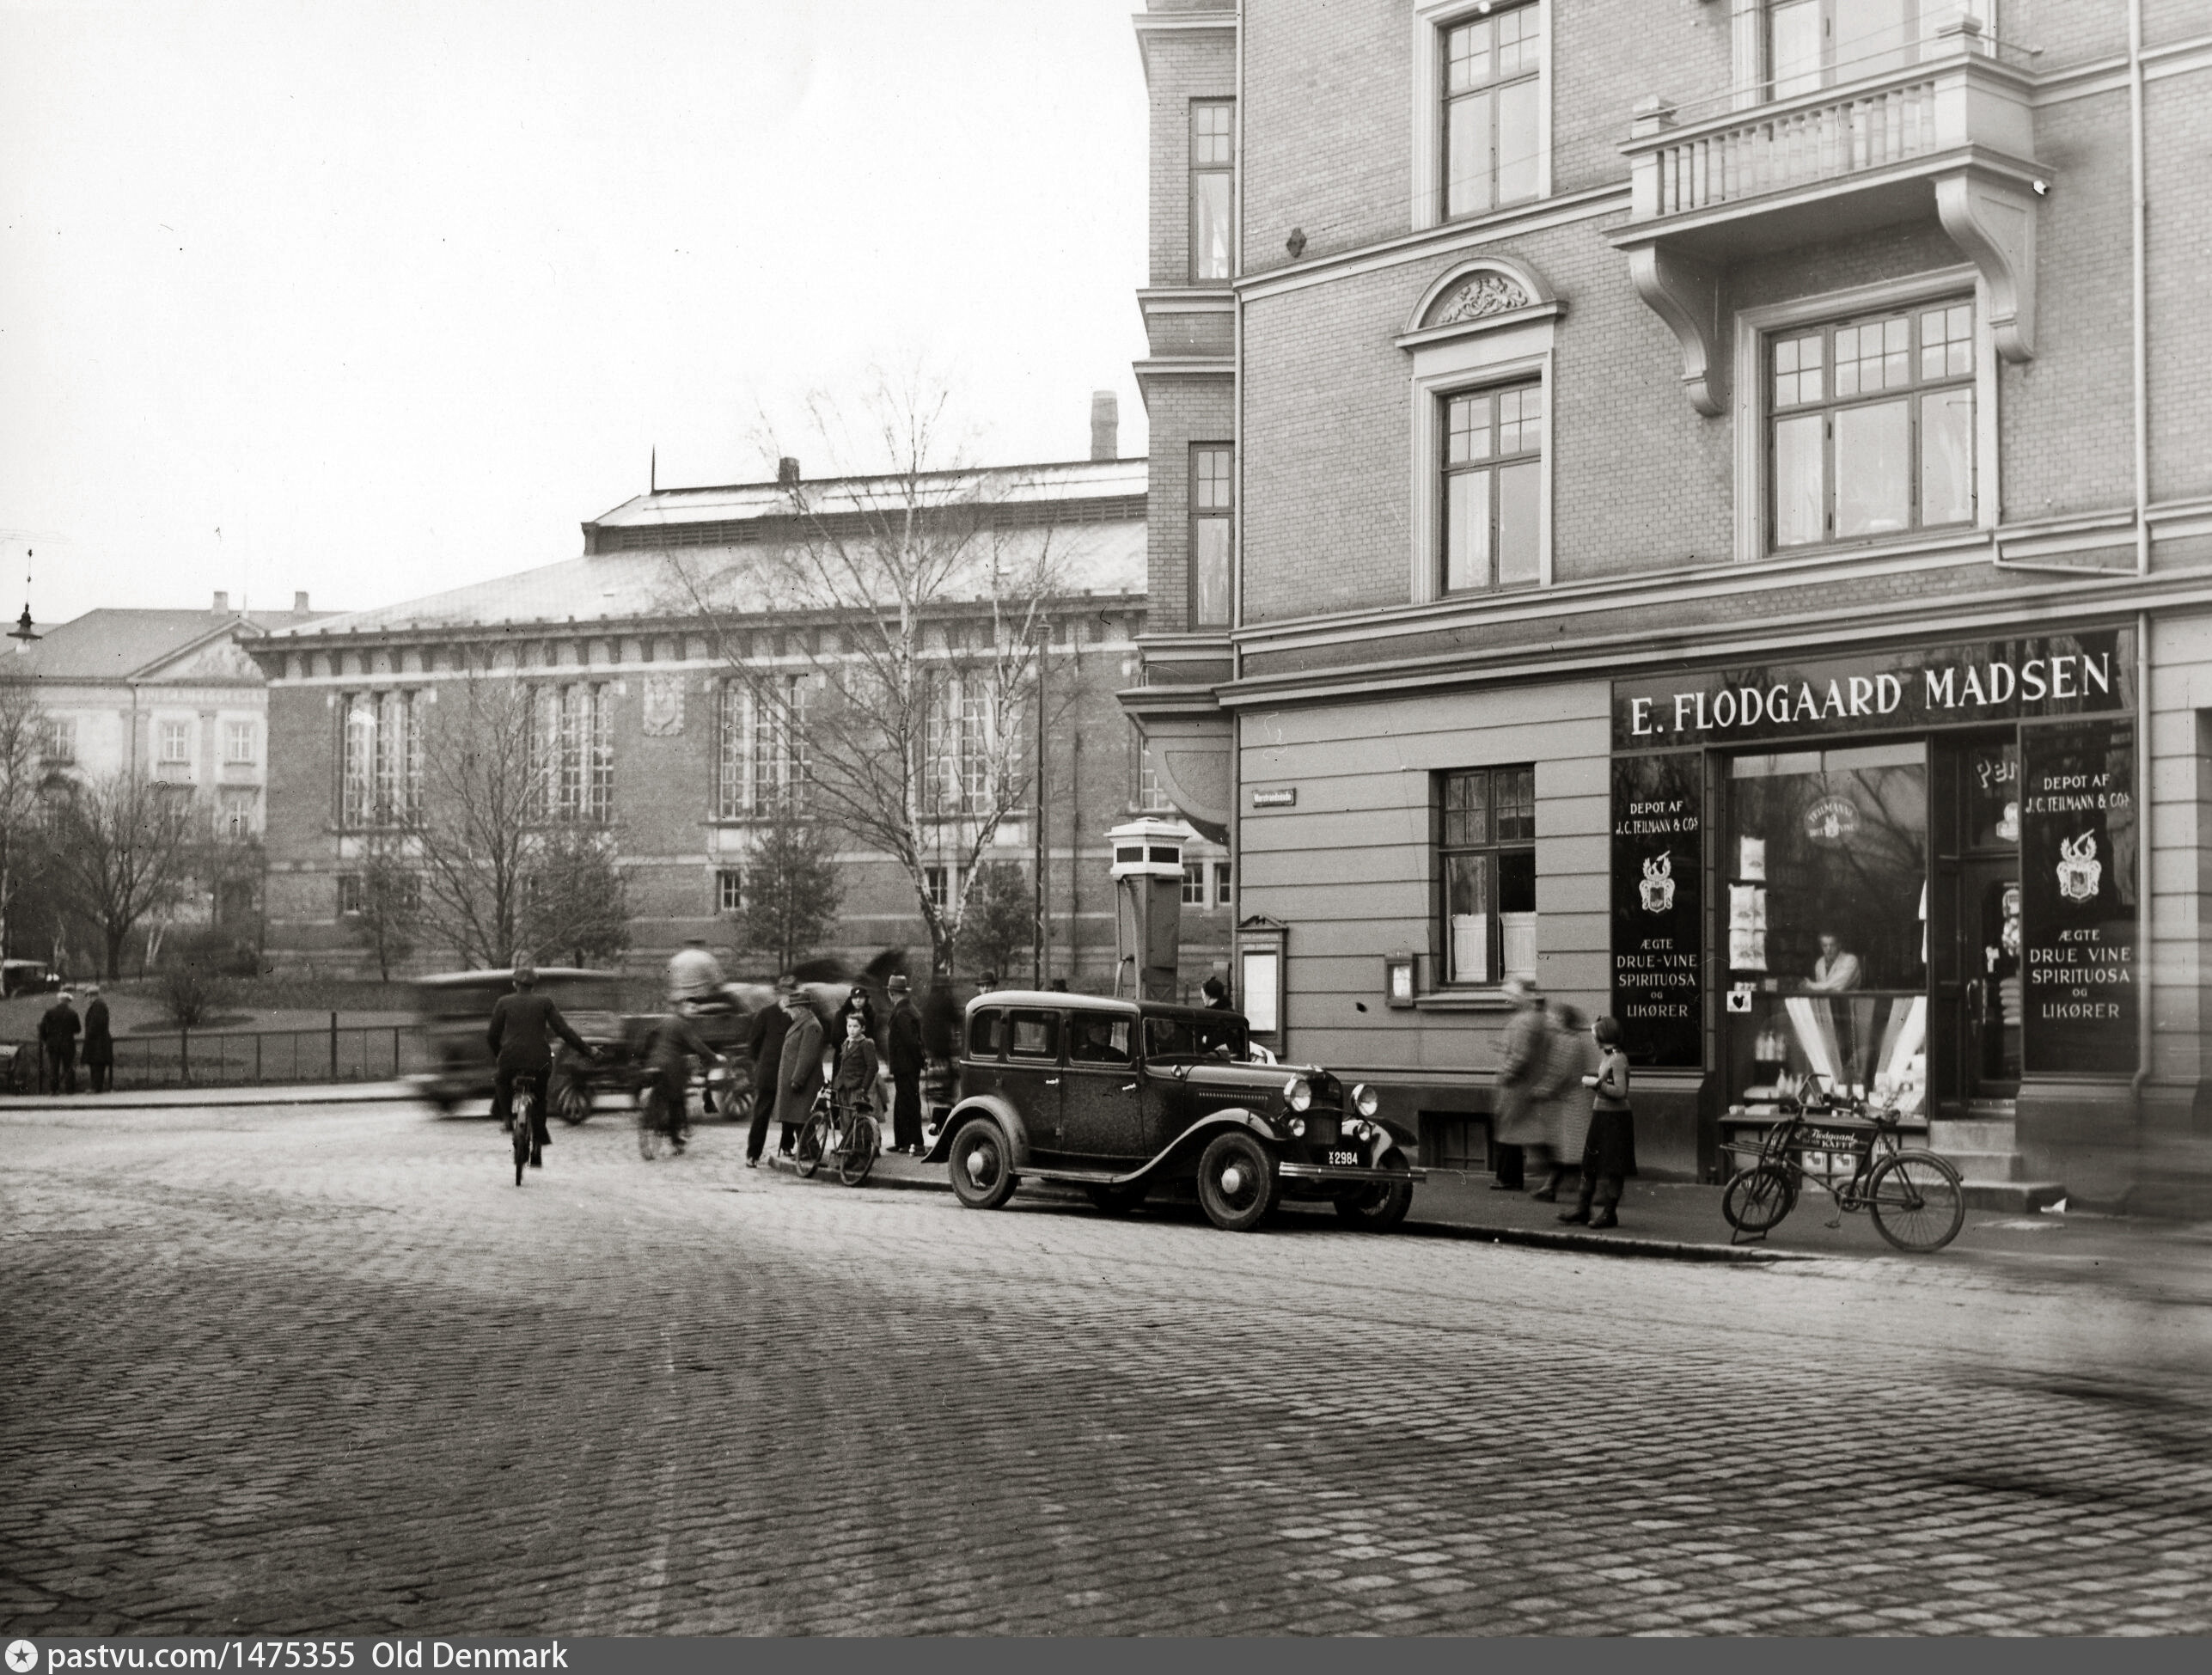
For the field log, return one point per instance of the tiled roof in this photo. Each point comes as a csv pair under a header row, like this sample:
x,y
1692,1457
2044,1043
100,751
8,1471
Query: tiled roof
x,y
1081,480
116,644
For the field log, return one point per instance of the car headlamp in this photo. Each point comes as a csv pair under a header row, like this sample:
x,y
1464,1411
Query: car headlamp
x,y
1365,1099
1296,1126
1297,1093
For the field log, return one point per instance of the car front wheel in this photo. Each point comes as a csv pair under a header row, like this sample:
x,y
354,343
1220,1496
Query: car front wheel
x,y
981,1164
1236,1183
1379,1206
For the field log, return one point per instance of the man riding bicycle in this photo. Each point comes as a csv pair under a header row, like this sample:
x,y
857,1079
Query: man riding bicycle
x,y
522,1024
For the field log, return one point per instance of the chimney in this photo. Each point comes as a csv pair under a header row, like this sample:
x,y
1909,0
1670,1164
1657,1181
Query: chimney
x,y
788,472
1105,425
300,603
221,601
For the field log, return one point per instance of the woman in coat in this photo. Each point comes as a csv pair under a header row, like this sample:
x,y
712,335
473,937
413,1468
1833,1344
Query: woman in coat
x,y
1562,1104
1609,1155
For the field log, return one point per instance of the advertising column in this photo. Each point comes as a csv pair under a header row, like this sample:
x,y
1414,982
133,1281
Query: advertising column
x,y
2078,860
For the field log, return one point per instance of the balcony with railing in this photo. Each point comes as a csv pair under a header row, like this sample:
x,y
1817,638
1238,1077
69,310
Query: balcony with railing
x,y
1948,136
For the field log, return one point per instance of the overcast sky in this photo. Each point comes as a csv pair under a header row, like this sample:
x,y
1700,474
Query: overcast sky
x,y
394,296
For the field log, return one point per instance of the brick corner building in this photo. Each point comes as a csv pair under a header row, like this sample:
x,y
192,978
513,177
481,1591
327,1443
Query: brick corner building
x,y
1715,519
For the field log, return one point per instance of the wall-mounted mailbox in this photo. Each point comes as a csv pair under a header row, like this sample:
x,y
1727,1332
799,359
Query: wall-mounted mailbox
x,y
1398,979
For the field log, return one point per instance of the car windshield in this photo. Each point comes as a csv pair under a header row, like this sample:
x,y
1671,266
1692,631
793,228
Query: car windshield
x,y
1213,1035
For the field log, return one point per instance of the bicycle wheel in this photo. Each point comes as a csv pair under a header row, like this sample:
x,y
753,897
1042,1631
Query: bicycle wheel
x,y
862,1147
1757,1198
1917,1201
525,1110
651,1124
806,1155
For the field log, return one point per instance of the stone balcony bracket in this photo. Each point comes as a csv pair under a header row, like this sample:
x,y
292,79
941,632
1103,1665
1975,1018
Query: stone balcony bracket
x,y
1950,139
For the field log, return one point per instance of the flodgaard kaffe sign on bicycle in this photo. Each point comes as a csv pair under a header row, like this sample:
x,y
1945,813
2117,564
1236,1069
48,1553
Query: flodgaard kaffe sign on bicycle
x,y
2090,672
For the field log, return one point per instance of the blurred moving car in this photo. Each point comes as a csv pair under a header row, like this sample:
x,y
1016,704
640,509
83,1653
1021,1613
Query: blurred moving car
x,y
1124,1098
450,1055
22,977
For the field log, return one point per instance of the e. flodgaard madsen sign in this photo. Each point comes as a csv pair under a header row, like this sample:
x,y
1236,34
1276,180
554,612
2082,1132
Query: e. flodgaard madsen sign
x,y
2089,672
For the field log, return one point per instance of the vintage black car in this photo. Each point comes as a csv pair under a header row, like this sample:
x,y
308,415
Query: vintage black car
x,y
1124,1098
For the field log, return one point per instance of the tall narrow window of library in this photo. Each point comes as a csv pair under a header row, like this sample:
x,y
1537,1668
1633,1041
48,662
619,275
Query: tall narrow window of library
x,y
1212,475
1493,488
1493,138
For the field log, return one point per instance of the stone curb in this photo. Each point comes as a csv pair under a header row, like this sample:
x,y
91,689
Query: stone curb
x,y
1594,1244
154,1100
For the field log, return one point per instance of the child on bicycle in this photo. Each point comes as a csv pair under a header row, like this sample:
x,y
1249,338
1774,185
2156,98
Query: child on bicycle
x,y
669,1045
854,1088
1609,1155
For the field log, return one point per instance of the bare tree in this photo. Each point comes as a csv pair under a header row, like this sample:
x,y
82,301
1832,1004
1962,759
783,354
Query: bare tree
x,y
391,902
516,853
23,732
480,793
120,849
887,651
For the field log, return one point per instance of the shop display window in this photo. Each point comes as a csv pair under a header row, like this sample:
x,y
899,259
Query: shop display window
x,y
1826,860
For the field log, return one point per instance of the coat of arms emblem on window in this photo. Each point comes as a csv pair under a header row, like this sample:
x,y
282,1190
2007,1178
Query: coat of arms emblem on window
x,y
2080,872
1658,887
663,706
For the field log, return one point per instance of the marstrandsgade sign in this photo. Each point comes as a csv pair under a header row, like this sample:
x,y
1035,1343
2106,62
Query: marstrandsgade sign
x,y
2088,672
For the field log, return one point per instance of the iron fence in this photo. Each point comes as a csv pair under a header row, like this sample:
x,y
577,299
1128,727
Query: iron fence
x,y
332,1052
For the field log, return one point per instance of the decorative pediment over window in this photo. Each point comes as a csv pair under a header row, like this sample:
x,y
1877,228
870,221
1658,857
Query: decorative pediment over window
x,y
1477,294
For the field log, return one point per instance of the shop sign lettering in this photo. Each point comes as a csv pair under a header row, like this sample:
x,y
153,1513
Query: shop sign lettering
x,y
2087,672
2078,858
1659,921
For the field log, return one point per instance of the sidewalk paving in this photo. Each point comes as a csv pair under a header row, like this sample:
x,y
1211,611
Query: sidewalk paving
x,y
1682,1221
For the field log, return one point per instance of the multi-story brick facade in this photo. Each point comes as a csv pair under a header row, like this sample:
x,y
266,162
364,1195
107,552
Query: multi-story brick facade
x,y
167,696
1583,356
669,727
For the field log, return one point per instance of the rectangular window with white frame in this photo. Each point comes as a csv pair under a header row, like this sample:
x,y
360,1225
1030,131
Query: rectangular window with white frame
x,y
1815,43
175,743
1487,859
1492,488
61,738
939,883
1212,189
1871,426
238,743
1213,478
729,889
1223,892
1492,139
1194,885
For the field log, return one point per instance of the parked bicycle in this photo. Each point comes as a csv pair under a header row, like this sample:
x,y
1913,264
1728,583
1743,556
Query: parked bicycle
x,y
848,1141
1914,1196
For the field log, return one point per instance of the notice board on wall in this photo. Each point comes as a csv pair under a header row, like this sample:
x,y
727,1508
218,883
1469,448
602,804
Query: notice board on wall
x,y
2079,866
1659,918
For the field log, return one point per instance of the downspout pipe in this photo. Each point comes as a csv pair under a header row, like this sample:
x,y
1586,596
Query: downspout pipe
x,y
2138,218
2146,951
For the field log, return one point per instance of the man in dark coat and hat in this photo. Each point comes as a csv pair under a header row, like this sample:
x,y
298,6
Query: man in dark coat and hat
x,y
99,1043
764,1048
57,1033
908,1061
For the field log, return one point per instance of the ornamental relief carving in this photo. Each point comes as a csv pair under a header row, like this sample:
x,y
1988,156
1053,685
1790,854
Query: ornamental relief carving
x,y
1484,295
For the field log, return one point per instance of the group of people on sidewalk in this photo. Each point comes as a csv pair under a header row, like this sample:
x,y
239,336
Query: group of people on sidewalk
x,y
784,1045
1563,1104
59,1030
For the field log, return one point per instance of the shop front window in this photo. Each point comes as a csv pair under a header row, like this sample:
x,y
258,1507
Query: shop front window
x,y
1827,923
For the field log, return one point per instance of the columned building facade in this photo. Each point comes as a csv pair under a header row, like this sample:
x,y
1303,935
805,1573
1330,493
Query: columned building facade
x,y
1720,525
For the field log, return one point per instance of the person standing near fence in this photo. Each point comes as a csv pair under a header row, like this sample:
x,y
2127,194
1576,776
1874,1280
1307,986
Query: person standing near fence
x,y
99,1043
57,1033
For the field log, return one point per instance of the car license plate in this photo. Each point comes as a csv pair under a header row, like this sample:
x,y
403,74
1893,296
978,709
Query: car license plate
x,y
1347,1159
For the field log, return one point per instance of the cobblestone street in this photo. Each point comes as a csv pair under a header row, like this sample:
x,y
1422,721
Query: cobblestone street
x,y
287,1370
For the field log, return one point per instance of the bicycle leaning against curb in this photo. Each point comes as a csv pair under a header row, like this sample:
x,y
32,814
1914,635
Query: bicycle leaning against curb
x,y
1914,1196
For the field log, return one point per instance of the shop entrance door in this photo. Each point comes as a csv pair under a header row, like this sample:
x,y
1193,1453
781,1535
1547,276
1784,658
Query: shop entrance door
x,y
1989,987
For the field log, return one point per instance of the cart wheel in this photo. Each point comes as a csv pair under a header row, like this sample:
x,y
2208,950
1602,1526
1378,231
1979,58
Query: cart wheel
x,y
1917,1201
1757,1198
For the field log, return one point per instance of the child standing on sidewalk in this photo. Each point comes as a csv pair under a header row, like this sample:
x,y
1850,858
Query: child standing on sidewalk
x,y
1609,1155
